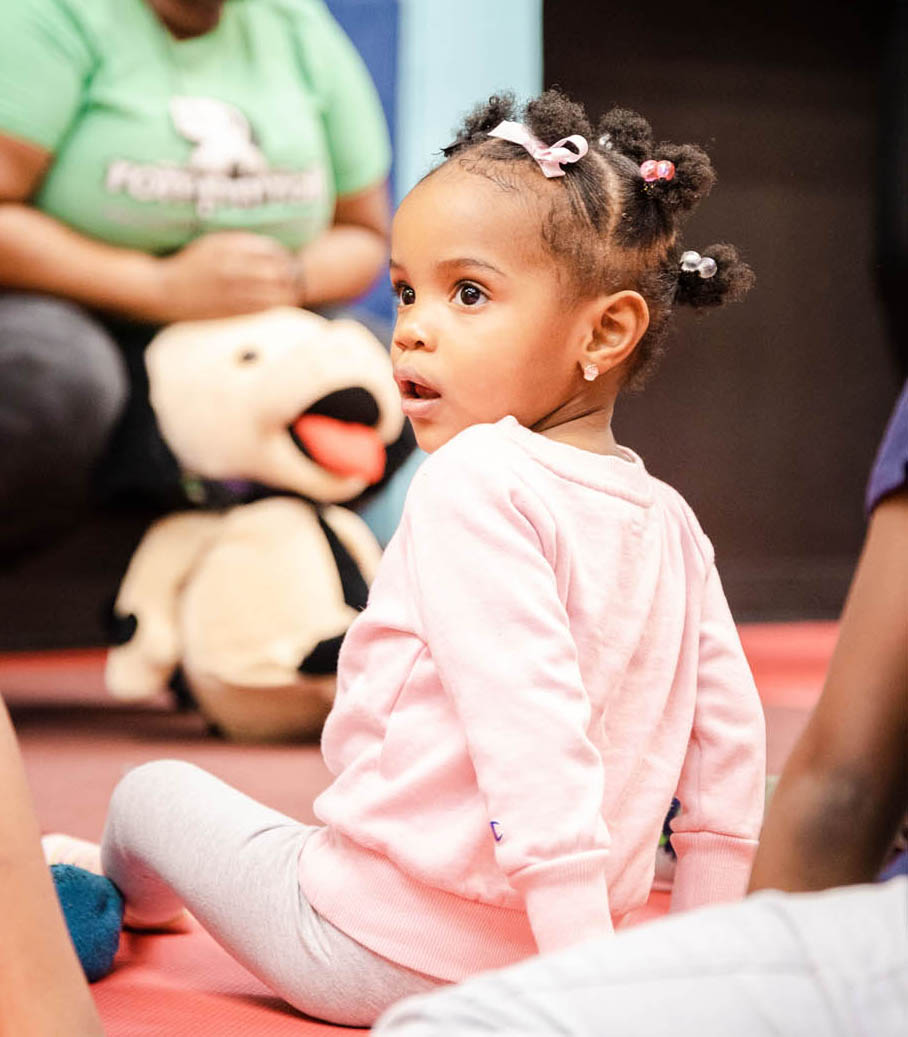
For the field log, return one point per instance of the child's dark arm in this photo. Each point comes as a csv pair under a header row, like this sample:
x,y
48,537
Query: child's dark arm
x,y
845,786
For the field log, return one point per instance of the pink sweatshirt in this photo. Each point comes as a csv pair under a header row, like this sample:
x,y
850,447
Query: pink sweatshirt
x,y
547,657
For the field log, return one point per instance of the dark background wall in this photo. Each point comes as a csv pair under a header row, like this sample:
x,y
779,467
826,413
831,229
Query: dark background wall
x,y
767,414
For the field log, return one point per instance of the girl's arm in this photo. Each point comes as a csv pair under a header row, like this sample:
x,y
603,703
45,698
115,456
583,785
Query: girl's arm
x,y
723,778
845,786
347,257
42,989
500,640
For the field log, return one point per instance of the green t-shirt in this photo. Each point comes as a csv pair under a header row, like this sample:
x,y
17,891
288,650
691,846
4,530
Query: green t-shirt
x,y
257,125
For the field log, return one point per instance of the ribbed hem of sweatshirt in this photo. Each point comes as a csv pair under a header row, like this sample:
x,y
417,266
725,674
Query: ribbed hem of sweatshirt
x,y
566,902
711,869
422,928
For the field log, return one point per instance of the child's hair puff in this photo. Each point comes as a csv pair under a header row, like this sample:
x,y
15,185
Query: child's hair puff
x,y
608,226
732,281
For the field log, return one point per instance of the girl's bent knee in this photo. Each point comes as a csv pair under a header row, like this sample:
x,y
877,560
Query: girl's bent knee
x,y
151,783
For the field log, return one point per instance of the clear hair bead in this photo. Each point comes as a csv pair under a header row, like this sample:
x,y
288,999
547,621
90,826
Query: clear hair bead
x,y
692,262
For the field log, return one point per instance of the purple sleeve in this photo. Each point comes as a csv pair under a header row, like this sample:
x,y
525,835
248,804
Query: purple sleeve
x,y
890,470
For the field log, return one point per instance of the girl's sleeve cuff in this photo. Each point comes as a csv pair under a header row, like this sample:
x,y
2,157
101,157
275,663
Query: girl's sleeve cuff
x,y
711,868
566,902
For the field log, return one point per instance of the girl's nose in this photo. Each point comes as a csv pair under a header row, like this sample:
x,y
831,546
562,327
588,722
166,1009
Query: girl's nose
x,y
411,331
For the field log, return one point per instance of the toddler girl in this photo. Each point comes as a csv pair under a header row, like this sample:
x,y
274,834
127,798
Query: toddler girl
x,y
547,656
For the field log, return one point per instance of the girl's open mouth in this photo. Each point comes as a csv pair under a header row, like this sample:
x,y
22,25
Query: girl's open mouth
x,y
410,390
417,400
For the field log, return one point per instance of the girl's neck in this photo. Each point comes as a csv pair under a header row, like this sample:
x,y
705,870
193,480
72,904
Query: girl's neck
x,y
588,430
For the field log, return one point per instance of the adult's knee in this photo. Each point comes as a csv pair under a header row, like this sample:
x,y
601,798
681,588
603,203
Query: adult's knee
x,y
62,388
62,374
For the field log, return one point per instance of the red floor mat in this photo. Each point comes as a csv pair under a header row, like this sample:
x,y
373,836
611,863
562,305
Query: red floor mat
x,y
176,985
77,743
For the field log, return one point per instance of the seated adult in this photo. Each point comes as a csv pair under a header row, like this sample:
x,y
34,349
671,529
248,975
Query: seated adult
x,y
161,160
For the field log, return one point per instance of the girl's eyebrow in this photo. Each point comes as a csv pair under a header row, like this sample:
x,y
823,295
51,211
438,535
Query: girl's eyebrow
x,y
447,264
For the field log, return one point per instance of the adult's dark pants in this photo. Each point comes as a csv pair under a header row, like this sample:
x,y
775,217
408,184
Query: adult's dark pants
x,y
76,429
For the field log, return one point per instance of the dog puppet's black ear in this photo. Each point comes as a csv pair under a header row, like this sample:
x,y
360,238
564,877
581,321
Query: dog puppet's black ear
x,y
119,627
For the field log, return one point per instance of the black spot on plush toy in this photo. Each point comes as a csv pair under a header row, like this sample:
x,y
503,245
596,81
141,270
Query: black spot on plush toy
x,y
277,418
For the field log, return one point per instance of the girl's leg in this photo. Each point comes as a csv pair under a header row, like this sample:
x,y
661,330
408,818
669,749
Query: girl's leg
x,y
833,963
176,836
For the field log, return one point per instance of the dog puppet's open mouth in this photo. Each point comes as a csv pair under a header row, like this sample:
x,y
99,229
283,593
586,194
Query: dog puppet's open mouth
x,y
338,433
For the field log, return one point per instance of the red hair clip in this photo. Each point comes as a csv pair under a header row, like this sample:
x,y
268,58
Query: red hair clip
x,y
662,170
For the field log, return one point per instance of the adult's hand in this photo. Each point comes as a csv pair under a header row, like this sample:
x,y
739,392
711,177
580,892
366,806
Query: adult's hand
x,y
222,274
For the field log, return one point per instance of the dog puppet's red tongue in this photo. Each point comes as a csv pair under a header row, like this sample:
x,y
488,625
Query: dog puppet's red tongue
x,y
342,447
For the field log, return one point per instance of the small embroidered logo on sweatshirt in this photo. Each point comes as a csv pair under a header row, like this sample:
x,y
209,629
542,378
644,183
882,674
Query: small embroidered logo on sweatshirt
x,y
494,826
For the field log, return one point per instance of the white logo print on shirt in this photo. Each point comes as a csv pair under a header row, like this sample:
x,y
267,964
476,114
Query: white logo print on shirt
x,y
226,168
221,133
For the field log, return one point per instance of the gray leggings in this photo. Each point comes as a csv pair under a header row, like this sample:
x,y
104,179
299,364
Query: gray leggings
x,y
176,835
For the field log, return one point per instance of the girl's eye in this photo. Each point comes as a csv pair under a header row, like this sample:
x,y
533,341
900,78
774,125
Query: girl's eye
x,y
404,294
470,295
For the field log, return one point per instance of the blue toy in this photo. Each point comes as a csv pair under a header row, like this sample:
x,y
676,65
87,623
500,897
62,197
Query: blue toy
x,y
93,908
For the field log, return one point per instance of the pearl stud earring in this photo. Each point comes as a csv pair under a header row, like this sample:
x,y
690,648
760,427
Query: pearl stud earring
x,y
590,372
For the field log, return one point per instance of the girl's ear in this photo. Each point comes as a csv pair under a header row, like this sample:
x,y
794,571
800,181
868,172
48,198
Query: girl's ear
x,y
619,322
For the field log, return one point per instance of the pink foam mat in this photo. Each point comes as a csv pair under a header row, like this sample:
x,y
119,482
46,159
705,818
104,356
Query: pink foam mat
x,y
76,743
184,984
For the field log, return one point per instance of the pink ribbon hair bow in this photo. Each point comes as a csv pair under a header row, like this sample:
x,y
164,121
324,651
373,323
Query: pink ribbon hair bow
x,y
549,157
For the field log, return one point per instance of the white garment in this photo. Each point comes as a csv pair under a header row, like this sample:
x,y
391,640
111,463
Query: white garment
x,y
831,964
